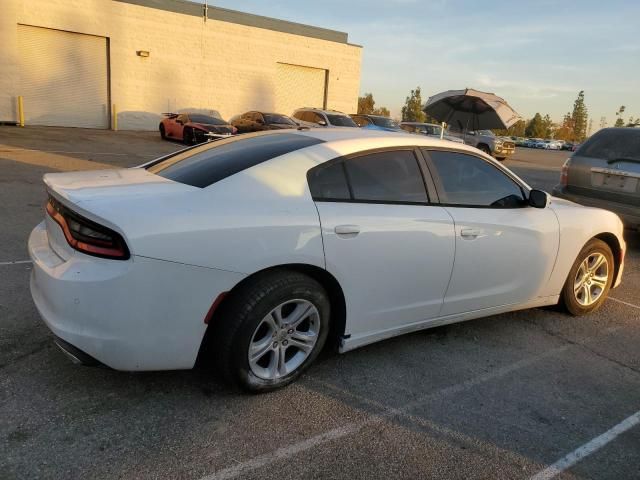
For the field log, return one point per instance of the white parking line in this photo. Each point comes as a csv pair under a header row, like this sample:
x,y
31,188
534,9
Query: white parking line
x,y
251,464
588,448
15,262
625,303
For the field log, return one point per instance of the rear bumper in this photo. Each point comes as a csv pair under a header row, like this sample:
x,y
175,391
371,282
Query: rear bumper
x,y
138,314
630,215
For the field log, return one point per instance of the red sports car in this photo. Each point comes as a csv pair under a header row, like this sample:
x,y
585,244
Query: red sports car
x,y
193,128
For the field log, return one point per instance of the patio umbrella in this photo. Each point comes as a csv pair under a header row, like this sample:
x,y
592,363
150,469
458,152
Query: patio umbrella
x,y
470,109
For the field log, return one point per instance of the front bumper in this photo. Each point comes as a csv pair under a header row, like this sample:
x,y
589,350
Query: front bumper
x,y
630,215
138,314
504,151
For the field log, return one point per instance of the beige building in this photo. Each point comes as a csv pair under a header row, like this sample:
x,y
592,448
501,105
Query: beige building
x,y
72,61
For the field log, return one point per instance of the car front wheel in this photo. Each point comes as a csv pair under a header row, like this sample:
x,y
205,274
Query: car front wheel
x,y
590,279
271,330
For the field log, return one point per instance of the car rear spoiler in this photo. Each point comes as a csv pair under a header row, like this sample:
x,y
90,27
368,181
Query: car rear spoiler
x,y
170,115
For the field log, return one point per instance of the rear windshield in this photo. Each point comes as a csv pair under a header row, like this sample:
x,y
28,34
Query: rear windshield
x,y
612,145
340,120
385,122
207,164
280,119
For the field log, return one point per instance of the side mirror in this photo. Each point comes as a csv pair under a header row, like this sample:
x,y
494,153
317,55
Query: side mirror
x,y
322,122
538,199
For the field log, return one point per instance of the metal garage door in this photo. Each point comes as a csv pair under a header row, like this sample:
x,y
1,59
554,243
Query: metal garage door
x,y
64,78
298,86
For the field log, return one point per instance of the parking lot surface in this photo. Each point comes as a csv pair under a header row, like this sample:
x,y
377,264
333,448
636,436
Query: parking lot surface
x,y
501,397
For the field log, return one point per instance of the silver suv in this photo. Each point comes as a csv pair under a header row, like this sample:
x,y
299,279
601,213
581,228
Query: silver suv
x,y
316,117
485,140
605,172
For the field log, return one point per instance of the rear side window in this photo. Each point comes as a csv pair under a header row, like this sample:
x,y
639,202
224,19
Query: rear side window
x,y
612,145
329,182
212,162
392,176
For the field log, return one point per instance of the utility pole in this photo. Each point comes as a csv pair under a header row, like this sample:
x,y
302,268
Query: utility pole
x,y
205,11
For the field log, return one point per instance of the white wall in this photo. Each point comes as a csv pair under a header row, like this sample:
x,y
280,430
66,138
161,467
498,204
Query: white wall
x,y
193,64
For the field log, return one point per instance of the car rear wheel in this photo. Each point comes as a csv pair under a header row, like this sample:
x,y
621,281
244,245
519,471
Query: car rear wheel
x,y
163,134
271,330
590,279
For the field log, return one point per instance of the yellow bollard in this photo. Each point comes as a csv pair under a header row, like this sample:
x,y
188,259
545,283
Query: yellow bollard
x,y
114,118
20,111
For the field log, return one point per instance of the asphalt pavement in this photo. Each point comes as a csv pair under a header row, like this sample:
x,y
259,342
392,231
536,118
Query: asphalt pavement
x,y
506,396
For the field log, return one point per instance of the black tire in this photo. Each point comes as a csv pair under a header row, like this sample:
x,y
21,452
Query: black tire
x,y
501,159
187,136
485,149
568,296
242,315
163,134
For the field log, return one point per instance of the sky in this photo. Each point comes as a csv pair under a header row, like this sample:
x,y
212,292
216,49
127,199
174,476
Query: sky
x,y
536,54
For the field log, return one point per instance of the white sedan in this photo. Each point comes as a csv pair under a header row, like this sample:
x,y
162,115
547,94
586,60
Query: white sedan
x,y
255,251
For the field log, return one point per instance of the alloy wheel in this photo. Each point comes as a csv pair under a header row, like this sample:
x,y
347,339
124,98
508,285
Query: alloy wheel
x,y
284,339
591,279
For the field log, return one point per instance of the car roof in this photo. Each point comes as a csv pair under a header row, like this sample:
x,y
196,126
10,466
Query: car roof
x,y
372,139
420,123
314,109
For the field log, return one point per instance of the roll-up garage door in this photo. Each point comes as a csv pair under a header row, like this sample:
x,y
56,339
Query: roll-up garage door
x,y
64,78
298,86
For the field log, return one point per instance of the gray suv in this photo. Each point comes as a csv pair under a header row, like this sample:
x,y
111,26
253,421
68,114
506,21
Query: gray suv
x,y
316,117
605,172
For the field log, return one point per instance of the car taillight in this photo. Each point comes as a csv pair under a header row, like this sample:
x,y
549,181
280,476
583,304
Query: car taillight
x,y
564,173
87,236
234,130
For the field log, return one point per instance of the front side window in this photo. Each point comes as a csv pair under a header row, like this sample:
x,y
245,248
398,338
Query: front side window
x,y
278,119
466,180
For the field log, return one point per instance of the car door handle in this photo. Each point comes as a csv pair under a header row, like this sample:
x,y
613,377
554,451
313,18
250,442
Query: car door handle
x,y
347,230
470,232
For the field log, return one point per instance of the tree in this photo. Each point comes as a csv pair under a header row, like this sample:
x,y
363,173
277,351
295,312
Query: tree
x,y
579,116
535,128
412,110
382,111
603,122
366,106
565,130
547,126
619,120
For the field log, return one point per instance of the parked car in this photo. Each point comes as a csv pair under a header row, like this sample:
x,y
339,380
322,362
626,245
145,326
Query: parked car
x,y
521,142
315,117
376,122
532,142
568,146
429,129
249,252
260,121
193,128
487,142
605,172
553,145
